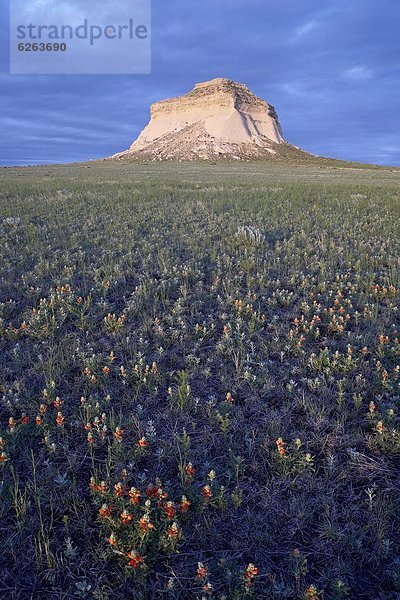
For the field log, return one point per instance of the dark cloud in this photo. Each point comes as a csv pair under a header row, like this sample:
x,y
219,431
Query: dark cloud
x,y
331,70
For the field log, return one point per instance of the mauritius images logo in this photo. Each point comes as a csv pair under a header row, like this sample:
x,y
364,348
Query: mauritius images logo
x,y
80,37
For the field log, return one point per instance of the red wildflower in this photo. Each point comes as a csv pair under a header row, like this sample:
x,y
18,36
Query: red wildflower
x,y
126,517
174,531
103,487
145,523
119,489
134,558
207,492
169,510
60,419
152,491
105,511
184,504
112,540
251,571
202,571
280,446
190,470
134,496
93,485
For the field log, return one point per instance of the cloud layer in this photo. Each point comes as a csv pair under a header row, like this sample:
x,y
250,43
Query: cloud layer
x,y
330,69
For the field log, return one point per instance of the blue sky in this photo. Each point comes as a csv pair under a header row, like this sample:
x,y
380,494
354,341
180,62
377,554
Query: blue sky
x,y
331,69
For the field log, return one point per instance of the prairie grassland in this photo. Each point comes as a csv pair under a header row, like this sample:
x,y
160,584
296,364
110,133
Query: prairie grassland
x,y
199,382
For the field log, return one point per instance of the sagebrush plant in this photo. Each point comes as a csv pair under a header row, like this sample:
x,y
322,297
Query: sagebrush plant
x,y
199,383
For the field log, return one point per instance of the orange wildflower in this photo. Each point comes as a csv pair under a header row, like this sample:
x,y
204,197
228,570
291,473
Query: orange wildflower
x,y
105,511
251,571
126,517
93,485
112,540
134,496
280,446
118,434
145,523
174,531
161,494
60,419
134,558
207,492
311,593
380,427
119,489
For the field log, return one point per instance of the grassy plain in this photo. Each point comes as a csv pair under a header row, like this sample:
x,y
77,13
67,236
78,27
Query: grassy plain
x,y
199,382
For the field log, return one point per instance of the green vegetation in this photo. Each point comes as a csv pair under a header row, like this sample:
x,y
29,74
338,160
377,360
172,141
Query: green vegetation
x,y
199,382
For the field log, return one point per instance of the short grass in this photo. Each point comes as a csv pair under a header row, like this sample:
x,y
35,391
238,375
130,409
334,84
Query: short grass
x,y
199,382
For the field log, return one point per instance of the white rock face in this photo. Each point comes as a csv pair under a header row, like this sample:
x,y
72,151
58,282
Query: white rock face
x,y
217,118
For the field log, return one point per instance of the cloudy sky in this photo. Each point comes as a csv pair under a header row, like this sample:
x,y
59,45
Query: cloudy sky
x,y
331,68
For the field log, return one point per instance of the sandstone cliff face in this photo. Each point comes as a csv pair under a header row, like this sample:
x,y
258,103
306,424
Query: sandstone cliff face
x,y
218,118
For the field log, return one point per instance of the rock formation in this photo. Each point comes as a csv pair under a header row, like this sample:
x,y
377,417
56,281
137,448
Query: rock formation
x,y
217,119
